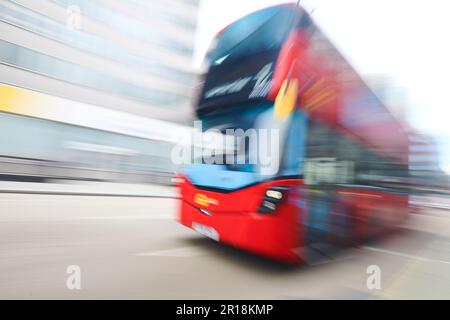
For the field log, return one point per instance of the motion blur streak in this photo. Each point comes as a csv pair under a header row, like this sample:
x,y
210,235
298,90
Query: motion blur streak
x,y
95,96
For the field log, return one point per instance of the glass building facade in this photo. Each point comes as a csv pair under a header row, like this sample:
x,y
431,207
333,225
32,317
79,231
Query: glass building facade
x,y
133,56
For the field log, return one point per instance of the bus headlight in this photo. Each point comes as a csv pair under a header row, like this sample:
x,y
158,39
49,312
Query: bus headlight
x,y
274,194
272,198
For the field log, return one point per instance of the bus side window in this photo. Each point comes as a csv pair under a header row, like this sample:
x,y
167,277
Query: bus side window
x,y
328,171
324,163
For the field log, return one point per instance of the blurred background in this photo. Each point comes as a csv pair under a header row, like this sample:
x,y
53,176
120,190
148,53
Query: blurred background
x,y
95,89
95,93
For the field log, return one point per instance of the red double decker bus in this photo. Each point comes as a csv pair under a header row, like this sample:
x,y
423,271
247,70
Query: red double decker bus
x,y
341,163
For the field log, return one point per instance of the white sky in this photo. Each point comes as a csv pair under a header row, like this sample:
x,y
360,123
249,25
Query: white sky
x,y
405,39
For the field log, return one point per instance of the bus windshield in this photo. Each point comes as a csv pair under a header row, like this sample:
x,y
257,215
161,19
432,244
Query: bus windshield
x,y
236,121
257,135
262,31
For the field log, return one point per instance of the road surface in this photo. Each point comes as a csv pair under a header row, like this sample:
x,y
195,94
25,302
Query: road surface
x,y
132,248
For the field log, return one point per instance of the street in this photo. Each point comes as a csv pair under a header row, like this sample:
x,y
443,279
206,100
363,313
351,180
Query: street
x,y
132,248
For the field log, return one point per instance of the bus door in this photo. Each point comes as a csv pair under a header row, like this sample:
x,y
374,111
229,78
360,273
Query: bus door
x,y
327,222
318,192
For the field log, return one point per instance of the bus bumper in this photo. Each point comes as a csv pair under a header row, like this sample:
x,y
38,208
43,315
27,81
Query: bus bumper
x,y
271,236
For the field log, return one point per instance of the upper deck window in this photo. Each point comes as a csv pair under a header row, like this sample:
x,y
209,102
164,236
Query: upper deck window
x,y
258,32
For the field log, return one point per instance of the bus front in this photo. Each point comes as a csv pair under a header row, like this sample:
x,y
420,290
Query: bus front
x,y
248,196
